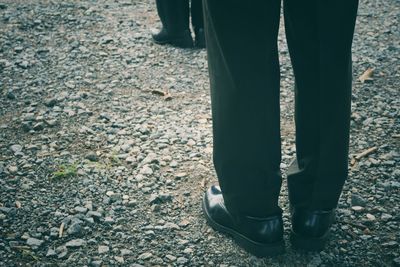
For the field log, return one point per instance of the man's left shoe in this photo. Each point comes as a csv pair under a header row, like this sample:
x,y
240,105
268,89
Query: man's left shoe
x,y
259,236
310,229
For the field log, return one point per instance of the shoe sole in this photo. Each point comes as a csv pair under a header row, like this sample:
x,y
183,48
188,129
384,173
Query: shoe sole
x,y
308,244
257,249
174,42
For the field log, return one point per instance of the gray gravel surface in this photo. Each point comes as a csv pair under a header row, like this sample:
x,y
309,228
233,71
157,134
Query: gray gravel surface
x,y
105,142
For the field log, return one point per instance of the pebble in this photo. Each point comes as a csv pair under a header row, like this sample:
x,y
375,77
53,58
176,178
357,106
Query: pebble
x,y
103,249
182,260
51,253
357,200
119,259
75,243
126,252
16,148
92,156
145,256
357,208
370,217
80,209
34,242
170,257
386,217
75,229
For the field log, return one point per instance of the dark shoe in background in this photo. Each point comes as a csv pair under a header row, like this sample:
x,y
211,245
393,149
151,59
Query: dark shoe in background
x,y
259,236
199,40
174,16
181,40
310,229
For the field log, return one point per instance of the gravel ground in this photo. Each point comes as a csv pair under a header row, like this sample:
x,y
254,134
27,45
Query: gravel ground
x,y
105,142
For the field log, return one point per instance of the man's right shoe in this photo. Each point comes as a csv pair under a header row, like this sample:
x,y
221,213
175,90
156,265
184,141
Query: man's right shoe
x,y
181,40
310,228
259,236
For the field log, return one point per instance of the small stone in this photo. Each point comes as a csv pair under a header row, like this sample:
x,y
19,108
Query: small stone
x,y
146,170
62,252
180,175
51,102
34,242
357,200
161,198
126,252
170,225
24,64
11,95
173,164
370,217
80,209
188,251
357,208
95,214
51,253
16,148
92,156
75,243
386,217
89,220
13,169
52,122
26,126
182,260
119,259
74,229
70,84
145,256
170,257
103,249
38,126
184,223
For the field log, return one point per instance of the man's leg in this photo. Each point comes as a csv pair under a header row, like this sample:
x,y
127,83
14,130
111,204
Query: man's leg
x,y
174,15
244,77
196,10
319,35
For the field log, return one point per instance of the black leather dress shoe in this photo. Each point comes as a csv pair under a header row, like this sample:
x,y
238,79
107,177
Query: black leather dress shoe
x,y
310,229
181,40
260,236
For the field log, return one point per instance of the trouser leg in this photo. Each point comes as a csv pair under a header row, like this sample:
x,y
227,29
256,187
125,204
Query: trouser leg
x,y
174,15
319,35
196,11
244,80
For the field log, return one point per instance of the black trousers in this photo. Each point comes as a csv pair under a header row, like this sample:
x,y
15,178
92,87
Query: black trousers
x,y
174,14
244,73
